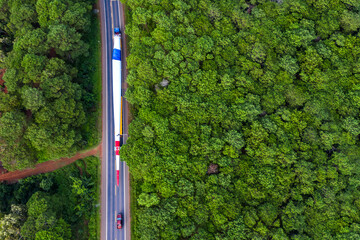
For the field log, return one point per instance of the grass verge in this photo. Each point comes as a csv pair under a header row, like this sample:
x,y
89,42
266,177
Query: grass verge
x,y
133,183
91,69
133,205
93,168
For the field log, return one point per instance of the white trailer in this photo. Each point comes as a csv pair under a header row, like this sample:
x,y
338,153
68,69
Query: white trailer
x,y
117,98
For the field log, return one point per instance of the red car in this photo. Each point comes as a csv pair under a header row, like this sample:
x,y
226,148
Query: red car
x,y
118,221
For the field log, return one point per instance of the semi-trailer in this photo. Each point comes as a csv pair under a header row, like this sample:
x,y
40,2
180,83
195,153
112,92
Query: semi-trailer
x,y
117,98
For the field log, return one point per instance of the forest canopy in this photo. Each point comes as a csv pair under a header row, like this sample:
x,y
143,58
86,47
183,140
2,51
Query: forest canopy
x,y
61,205
246,119
47,97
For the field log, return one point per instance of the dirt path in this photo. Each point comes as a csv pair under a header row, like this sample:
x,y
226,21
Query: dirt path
x,y
48,166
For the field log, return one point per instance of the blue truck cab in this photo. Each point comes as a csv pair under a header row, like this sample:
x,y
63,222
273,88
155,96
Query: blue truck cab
x,y
116,31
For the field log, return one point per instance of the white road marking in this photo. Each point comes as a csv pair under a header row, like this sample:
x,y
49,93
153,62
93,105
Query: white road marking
x,y
124,193
112,22
106,103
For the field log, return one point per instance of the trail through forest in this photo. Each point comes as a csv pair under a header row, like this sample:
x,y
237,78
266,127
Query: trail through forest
x,y
48,166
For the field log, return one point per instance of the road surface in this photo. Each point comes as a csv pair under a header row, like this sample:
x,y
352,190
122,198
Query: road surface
x,y
113,199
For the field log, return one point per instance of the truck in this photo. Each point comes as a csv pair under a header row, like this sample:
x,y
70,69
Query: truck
x,y
117,98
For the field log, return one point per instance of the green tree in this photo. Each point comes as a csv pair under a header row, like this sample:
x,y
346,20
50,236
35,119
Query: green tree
x,y
33,66
289,64
11,223
8,102
148,200
46,184
77,16
12,125
66,41
350,21
33,99
34,42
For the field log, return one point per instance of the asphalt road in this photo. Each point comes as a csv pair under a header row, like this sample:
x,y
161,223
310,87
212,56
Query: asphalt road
x,y
114,199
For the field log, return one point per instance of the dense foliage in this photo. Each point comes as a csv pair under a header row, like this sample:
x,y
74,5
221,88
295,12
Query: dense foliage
x,y
246,119
58,205
47,101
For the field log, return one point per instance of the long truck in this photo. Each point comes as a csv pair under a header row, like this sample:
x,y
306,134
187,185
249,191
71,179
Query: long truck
x,y
117,98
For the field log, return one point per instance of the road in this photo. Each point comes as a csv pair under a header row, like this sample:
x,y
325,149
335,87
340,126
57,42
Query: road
x,y
113,199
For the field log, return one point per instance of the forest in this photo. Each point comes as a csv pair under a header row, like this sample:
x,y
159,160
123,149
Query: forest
x,y
60,205
51,84
246,119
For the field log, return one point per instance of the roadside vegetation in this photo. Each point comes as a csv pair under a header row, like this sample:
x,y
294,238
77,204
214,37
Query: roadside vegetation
x,y
50,91
246,119
63,204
